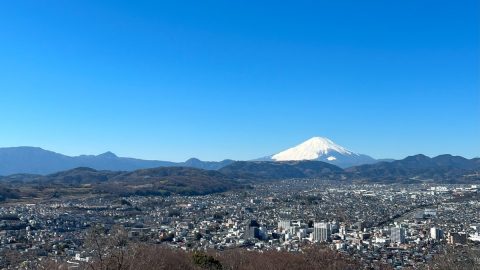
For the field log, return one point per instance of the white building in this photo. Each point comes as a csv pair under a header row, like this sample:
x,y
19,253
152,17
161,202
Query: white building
x,y
284,225
321,232
397,235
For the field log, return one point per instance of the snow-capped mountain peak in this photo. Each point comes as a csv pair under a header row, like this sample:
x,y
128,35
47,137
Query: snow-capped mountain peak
x,y
322,149
312,149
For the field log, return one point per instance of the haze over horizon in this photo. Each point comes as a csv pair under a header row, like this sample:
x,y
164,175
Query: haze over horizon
x,y
108,152
222,80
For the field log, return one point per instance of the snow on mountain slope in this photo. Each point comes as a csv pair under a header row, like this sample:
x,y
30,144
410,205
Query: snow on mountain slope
x,y
312,149
323,149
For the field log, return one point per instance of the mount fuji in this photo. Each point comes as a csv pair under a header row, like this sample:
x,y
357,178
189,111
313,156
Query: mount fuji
x,y
322,149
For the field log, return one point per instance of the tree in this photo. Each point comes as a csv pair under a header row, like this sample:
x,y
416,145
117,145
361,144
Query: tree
x,y
453,258
107,248
206,261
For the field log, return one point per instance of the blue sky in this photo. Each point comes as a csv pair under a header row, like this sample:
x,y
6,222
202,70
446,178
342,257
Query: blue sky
x,y
171,80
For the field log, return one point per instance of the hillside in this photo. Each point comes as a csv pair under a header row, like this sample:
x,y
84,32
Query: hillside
x,y
281,170
178,180
156,181
443,168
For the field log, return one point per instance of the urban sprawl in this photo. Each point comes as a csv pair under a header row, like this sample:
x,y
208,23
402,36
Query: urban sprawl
x,y
397,225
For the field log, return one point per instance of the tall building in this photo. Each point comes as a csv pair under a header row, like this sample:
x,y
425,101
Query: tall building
x,y
334,226
436,233
284,225
397,235
262,233
252,230
321,232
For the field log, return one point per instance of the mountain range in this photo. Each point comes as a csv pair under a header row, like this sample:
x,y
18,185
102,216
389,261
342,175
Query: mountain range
x,y
35,160
412,169
236,175
316,157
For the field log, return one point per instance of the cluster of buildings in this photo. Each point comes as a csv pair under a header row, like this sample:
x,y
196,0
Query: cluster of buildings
x,y
398,225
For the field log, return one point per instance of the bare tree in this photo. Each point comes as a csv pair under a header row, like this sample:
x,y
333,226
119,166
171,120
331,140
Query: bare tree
x,y
453,258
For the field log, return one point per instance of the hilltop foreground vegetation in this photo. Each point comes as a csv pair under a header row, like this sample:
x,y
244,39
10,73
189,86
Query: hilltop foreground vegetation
x,y
114,251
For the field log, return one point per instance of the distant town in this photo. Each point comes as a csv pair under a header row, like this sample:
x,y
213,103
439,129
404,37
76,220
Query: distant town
x,y
397,226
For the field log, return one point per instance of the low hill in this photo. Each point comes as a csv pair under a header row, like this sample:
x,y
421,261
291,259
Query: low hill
x,y
179,180
155,181
281,170
443,168
81,175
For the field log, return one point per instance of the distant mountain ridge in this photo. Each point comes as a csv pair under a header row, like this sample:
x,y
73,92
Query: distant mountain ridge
x,y
35,160
418,168
317,158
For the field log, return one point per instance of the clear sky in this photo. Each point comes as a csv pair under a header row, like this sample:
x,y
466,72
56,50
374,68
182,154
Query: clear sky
x,y
171,80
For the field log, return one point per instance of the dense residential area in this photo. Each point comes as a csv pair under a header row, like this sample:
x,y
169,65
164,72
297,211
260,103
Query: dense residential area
x,y
375,226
